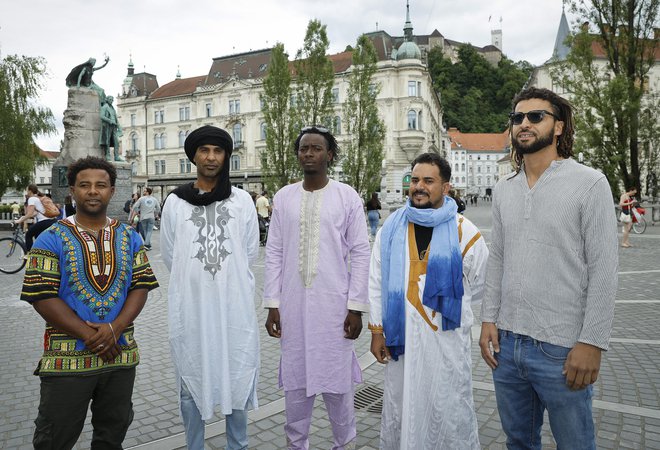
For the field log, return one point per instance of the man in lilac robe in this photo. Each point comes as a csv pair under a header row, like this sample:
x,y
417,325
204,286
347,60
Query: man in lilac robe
x,y
317,267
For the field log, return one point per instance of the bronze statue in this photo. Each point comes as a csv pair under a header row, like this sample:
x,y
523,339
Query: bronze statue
x,y
110,130
81,76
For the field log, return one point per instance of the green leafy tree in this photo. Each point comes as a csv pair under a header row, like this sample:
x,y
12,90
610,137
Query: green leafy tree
x,y
614,112
279,165
314,78
476,96
363,152
21,79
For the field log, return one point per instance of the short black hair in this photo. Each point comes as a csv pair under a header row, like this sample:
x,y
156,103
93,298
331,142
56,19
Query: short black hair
x,y
435,160
329,139
90,162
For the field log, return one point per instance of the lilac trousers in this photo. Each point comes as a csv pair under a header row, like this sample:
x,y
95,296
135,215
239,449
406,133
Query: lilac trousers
x,y
299,409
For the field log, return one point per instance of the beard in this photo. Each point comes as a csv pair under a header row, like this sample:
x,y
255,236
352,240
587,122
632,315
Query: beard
x,y
539,143
425,205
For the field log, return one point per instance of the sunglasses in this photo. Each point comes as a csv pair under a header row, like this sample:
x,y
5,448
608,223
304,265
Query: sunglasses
x,y
314,128
534,116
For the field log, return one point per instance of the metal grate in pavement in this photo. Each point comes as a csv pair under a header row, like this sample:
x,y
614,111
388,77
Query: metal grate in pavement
x,y
369,398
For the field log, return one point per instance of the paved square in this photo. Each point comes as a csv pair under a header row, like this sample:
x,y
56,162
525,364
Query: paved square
x,y
626,396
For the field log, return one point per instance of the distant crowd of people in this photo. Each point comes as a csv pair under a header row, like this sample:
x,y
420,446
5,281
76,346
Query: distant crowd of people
x,y
546,284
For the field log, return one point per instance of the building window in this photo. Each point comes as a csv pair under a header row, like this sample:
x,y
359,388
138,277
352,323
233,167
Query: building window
x,y
209,110
159,116
462,167
235,162
134,142
488,180
336,125
42,181
335,95
263,131
234,106
133,119
184,165
372,89
478,169
182,138
412,120
419,121
160,141
487,169
412,89
237,132
479,180
462,179
456,167
184,113
160,166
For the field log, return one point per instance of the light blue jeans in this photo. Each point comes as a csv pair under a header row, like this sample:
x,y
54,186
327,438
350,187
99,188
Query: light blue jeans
x,y
147,228
236,424
374,218
528,380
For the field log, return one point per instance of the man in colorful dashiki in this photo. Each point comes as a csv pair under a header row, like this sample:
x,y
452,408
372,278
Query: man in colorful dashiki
x,y
209,238
317,227
88,277
428,264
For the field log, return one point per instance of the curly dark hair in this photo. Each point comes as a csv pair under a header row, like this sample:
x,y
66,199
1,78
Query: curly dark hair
x,y
329,139
90,162
561,107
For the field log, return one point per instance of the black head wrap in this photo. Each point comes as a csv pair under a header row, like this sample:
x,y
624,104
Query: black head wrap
x,y
207,135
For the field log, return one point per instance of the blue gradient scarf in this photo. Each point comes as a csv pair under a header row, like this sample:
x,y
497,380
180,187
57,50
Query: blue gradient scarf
x,y
443,291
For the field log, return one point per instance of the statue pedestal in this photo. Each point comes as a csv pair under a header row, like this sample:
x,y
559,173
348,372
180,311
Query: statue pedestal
x,y
82,130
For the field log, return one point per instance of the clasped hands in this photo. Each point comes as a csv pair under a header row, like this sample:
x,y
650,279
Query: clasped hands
x,y
102,341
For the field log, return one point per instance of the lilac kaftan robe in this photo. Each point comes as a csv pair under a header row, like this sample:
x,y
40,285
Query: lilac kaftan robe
x,y
311,239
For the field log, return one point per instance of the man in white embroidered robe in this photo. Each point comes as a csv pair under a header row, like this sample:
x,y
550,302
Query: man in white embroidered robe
x,y
426,254
209,238
316,226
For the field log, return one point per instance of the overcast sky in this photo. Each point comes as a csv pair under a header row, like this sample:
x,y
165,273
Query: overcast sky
x,y
165,34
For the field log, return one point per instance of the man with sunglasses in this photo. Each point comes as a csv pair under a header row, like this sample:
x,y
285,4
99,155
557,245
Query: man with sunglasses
x,y
551,281
314,295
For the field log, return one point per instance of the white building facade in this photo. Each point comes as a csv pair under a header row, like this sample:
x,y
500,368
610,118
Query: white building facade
x,y
156,119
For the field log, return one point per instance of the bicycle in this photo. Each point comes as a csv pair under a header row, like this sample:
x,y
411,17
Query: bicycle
x,y
639,222
12,252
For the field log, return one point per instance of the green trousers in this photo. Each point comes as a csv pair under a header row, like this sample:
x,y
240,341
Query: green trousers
x,y
64,403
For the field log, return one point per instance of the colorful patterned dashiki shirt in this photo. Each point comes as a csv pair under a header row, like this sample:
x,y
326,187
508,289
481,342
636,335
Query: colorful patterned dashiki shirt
x,y
93,276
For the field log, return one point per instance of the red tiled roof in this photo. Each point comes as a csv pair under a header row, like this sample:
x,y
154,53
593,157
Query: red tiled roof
x,y
480,142
49,154
341,61
178,87
599,51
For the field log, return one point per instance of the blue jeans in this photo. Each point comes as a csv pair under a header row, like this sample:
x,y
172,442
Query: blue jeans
x,y
147,228
236,424
528,380
374,218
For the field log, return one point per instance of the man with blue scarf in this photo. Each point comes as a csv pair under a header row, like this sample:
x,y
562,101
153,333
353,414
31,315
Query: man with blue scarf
x,y
427,265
